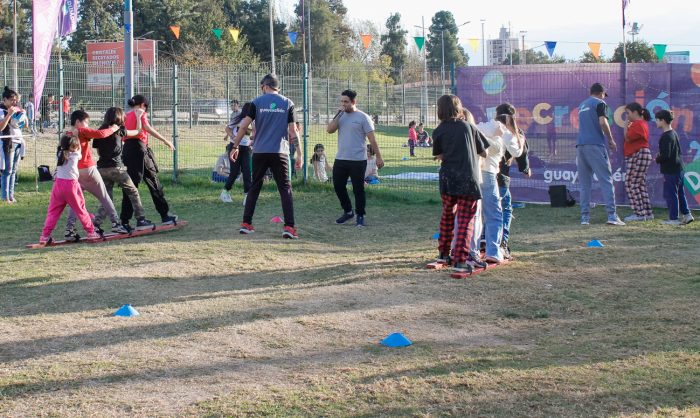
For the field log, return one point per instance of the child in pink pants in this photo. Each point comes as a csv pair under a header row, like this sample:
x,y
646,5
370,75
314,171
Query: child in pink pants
x,y
66,191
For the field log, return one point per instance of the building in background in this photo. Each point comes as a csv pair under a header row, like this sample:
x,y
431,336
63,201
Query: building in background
x,y
498,50
677,57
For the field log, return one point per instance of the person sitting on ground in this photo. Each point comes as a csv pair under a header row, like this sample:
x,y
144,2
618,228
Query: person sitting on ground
x,y
424,140
321,166
372,171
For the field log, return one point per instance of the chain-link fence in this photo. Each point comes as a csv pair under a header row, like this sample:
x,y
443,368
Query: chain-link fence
x,y
191,105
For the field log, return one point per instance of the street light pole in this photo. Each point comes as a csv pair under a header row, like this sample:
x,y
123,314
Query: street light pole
x,y
15,80
483,43
272,39
524,57
442,76
128,52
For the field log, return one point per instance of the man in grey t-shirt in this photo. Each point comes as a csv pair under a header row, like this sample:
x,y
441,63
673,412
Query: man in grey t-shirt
x,y
353,127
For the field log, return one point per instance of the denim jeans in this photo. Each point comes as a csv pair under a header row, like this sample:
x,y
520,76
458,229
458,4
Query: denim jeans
x,y
590,160
507,207
492,213
9,174
675,195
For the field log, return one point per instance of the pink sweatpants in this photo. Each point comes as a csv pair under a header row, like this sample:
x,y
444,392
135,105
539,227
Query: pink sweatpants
x,y
66,192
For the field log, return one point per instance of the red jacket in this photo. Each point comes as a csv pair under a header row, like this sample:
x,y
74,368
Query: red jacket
x,y
637,137
85,135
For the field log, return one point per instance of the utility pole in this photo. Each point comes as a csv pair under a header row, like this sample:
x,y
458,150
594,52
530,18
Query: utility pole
x,y
128,52
425,73
272,37
524,53
15,80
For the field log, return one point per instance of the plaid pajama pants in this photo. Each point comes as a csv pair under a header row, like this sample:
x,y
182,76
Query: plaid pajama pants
x,y
466,208
636,181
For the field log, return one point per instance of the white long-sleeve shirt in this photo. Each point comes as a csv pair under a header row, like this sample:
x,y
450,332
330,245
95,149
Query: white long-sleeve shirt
x,y
499,144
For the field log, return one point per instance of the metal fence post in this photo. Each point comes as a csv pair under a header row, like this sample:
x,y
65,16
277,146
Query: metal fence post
x,y
403,98
228,96
386,102
306,119
189,90
4,69
175,141
328,100
113,87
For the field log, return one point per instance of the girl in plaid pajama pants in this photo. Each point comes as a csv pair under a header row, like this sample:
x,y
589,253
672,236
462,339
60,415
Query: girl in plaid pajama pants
x,y
637,159
457,144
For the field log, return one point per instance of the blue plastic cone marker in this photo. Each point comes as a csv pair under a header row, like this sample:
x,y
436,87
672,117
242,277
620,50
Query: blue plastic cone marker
x,y
404,159
436,235
595,243
127,311
396,340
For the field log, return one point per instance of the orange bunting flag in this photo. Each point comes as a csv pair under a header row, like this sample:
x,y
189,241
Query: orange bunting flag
x,y
595,48
176,31
366,40
474,43
234,34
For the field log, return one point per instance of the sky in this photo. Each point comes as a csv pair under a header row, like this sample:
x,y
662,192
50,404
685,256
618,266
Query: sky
x,y
572,24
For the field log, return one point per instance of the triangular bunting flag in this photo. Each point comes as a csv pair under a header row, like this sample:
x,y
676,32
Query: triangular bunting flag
x,y
292,37
366,40
595,48
217,33
660,50
420,40
234,34
176,31
474,43
550,47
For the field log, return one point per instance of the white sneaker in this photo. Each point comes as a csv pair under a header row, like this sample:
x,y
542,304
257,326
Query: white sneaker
x,y
674,222
649,218
225,196
245,196
615,221
635,218
686,219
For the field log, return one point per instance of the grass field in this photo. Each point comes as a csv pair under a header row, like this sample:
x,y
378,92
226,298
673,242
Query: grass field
x,y
235,325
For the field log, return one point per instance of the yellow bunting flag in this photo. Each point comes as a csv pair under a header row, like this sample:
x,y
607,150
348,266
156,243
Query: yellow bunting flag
x,y
176,31
366,40
595,48
474,43
234,34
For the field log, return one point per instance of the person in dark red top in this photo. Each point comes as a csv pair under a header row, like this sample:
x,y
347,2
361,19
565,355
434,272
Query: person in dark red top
x,y
89,178
638,159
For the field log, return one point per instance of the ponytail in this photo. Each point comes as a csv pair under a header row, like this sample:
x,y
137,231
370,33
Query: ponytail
x,y
138,100
645,114
643,111
64,148
8,93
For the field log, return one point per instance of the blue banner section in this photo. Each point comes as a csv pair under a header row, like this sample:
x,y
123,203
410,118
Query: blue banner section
x,y
293,37
550,45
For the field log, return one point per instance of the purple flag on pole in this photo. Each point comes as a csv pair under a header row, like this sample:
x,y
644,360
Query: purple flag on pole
x,y
625,3
69,17
45,25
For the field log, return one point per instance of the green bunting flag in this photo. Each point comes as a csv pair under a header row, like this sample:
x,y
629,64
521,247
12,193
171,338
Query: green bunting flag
x,y
660,50
217,33
420,40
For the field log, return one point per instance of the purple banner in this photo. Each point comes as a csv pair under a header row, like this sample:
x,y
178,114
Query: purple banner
x,y
69,17
45,24
547,99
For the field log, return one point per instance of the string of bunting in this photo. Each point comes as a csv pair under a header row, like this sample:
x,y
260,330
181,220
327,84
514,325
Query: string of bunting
x,y
218,32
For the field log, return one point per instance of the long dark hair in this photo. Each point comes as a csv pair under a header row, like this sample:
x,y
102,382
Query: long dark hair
x,y
113,116
66,143
8,93
636,107
244,112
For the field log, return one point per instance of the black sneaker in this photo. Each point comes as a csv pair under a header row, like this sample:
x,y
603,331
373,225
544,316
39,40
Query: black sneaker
x,y
346,217
170,219
143,223
99,230
360,221
444,259
70,234
463,268
119,228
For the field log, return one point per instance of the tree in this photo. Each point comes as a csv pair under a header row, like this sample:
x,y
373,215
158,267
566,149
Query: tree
x,y
99,20
253,19
394,44
331,37
637,51
443,25
589,58
533,57
24,26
